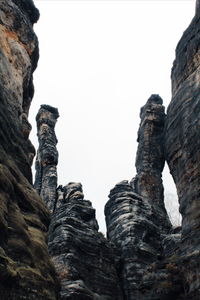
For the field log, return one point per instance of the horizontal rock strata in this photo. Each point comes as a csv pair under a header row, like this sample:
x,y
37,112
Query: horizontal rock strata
x,y
83,258
135,236
182,145
47,155
150,159
26,271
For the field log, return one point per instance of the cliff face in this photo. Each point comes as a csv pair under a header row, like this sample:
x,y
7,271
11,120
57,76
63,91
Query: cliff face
x,y
143,257
137,222
182,145
25,267
83,258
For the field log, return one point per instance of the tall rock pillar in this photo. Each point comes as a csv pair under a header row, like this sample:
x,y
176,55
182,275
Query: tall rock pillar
x,y
135,213
47,155
150,158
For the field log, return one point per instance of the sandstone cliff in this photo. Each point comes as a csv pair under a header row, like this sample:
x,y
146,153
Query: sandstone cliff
x,y
143,257
47,155
26,271
182,146
137,222
83,258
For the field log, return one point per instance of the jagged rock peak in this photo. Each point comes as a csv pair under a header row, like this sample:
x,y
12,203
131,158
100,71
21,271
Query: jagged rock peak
x,y
69,192
155,98
28,7
83,258
197,7
47,115
47,155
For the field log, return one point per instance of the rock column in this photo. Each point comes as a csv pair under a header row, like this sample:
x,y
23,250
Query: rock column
x,y
150,158
47,155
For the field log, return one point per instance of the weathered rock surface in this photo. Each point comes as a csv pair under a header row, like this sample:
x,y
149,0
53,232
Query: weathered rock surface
x,y
47,155
136,218
182,145
136,238
150,159
26,271
83,258
144,255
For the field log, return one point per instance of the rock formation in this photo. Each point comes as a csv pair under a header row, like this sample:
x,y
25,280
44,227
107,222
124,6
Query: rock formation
x,y
47,155
182,144
82,256
135,210
150,158
143,257
137,222
26,271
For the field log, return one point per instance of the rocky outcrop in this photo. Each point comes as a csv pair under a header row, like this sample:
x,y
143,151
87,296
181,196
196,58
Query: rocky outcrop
x,y
130,227
144,257
26,271
182,145
136,218
150,159
83,258
47,155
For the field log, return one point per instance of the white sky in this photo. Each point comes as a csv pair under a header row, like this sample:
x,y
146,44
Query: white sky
x,y
99,63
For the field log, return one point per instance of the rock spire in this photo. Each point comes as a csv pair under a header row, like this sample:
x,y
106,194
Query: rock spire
x,y
47,155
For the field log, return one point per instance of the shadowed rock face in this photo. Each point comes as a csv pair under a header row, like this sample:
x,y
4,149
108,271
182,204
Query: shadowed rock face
x,y
151,260
83,258
26,271
137,222
47,155
182,144
131,228
150,158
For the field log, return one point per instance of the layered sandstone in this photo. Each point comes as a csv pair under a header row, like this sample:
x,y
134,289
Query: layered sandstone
x,y
26,271
137,222
47,155
83,258
150,159
182,146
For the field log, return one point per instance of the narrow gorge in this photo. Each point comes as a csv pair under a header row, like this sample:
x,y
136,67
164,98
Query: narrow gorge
x,y
51,247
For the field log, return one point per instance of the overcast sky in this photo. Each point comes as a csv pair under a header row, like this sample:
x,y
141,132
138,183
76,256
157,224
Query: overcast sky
x,y
99,63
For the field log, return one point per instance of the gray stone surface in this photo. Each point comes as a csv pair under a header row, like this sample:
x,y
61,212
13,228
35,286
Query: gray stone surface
x,y
83,258
150,159
47,155
131,228
26,271
182,145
